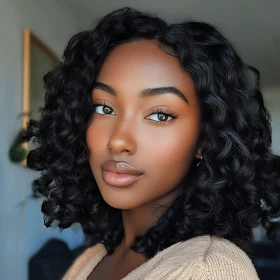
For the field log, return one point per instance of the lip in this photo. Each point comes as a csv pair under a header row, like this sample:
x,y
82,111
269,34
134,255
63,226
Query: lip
x,y
119,174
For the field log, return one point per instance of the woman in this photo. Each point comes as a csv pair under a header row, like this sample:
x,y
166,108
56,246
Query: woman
x,y
155,139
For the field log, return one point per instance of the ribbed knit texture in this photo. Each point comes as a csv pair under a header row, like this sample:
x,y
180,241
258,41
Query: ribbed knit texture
x,y
200,258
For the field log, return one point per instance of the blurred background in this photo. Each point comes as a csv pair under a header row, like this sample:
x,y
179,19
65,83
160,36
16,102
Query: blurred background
x,y
252,25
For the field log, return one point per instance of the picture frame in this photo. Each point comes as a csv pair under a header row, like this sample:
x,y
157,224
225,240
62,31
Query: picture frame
x,y
38,60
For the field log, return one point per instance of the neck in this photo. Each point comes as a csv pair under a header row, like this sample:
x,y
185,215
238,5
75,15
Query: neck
x,y
138,220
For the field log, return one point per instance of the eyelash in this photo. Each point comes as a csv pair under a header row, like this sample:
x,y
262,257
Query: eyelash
x,y
165,112
101,103
155,111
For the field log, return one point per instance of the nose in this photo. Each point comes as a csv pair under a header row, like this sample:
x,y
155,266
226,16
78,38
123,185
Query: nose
x,y
123,139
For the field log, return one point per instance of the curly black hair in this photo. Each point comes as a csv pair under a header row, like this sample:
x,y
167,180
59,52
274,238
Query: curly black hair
x,y
235,188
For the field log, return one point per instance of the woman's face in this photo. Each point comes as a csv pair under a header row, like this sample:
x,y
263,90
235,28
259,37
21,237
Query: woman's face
x,y
147,115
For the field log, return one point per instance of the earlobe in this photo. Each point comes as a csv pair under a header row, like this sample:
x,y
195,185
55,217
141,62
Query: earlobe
x,y
198,156
198,153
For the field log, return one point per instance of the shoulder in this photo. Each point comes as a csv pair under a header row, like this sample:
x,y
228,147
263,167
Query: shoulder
x,y
220,258
89,257
207,257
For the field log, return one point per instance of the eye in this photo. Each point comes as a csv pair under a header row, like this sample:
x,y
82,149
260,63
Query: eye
x,y
103,109
161,117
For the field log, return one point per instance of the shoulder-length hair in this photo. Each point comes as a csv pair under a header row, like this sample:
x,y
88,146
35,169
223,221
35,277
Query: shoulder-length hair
x,y
235,188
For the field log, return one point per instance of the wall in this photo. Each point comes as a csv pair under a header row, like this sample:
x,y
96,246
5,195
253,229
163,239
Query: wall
x,y
22,231
21,226
272,100
252,25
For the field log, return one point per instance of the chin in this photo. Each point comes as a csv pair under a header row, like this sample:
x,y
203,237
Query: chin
x,y
120,201
122,205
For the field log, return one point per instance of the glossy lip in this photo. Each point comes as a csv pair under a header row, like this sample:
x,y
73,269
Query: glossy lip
x,y
119,174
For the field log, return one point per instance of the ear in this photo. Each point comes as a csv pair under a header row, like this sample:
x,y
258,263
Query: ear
x,y
198,152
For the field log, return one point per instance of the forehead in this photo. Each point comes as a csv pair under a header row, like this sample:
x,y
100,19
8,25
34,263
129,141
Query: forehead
x,y
143,63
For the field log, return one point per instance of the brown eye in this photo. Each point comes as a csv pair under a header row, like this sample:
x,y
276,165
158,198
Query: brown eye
x,y
103,109
162,117
107,110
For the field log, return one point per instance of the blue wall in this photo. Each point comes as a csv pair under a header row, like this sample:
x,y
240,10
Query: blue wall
x,y
22,231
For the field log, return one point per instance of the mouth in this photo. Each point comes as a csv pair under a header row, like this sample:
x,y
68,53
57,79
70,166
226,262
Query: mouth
x,y
119,174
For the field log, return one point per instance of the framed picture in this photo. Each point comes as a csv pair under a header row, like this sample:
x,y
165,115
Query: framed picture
x,y
38,59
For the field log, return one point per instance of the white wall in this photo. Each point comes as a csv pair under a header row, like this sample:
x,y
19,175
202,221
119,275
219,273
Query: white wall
x,y
22,231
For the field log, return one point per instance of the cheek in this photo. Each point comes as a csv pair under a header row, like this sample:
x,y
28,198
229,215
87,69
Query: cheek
x,y
171,166
169,162
169,157
96,141
172,151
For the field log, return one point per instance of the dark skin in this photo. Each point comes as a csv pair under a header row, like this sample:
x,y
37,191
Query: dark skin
x,y
160,145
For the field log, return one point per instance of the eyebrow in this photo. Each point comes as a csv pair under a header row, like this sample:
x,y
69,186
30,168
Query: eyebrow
x,y
145,92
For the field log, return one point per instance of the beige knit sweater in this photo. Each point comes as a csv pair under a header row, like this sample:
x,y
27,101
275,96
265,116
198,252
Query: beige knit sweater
x,y
200,258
